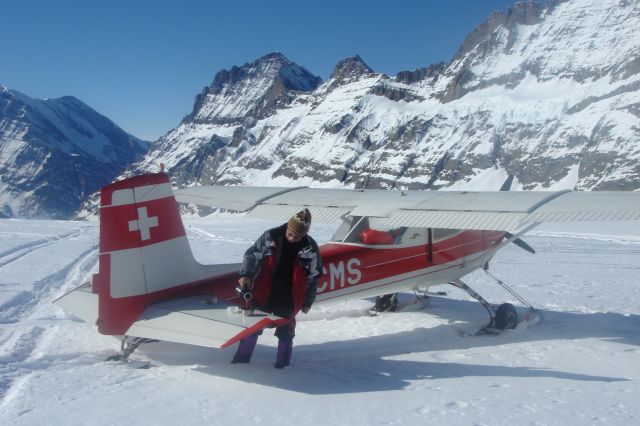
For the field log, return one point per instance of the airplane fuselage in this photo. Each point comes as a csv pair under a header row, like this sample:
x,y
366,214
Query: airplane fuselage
x,y
354,270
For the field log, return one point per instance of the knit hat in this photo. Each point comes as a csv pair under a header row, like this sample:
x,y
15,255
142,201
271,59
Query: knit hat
x,y
300,222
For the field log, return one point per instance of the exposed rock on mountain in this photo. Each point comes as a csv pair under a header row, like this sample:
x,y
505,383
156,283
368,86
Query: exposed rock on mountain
x,y
350,70
548,93
251,92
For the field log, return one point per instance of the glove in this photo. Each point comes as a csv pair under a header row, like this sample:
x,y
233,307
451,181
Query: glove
x,y
306,309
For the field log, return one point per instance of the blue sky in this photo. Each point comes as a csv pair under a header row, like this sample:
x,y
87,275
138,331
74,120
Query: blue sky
x,y
141,63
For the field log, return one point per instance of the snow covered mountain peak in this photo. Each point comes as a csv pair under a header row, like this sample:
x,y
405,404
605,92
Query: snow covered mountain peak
x,y
579,40
521,13
56,152
548,93
251,91
350,69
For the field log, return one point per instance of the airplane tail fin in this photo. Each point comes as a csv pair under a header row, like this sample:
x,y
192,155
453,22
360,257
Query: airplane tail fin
x,y
144,253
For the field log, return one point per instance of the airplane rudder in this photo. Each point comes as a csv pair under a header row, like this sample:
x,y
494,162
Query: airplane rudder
x,y
136,214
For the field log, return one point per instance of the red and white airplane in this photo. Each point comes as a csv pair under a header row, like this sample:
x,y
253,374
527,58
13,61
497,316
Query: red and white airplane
x,y
150,287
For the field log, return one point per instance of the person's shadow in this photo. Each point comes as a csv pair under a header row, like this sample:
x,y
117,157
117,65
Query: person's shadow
x,y
375,363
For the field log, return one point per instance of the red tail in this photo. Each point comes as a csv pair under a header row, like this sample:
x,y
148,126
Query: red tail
x,y
144,252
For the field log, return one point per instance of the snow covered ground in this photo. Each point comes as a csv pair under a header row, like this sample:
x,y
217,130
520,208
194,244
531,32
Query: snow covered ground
x,y
581,365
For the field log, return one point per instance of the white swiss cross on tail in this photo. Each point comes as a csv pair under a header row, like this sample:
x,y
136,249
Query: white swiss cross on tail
x,y
144,223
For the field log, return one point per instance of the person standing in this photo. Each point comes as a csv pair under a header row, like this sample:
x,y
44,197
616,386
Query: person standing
x,y
281,270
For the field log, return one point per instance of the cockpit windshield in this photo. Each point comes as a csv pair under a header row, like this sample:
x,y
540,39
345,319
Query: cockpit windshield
x,y
373,231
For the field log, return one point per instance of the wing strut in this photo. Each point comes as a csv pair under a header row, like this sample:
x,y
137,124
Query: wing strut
x,y
509,289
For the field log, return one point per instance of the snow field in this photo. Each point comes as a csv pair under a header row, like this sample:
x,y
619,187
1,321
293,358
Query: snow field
x,y
579,366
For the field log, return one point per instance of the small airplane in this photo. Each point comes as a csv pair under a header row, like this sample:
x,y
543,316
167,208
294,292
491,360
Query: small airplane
x,y
149,286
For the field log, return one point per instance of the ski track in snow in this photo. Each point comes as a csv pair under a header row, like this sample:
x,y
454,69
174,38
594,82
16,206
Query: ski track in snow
x,y
19,344
579,366
25,303
17,252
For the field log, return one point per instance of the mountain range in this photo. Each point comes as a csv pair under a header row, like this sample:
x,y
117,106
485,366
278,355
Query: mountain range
x,y
54,153
546,93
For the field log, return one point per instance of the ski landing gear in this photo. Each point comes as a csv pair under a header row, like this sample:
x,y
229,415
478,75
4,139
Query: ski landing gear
x,y
385,303
400,302
505,316
130,344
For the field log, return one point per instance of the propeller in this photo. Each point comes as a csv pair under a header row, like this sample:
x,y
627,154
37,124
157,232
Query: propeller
x,y
520,243
507,183
506,186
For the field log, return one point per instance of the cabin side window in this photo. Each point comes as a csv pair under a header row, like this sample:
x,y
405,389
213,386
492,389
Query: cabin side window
x,y
415,236
373,231
440,234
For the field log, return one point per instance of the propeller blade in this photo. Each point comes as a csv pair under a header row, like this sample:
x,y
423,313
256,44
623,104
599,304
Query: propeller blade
x,y
506,186
520,243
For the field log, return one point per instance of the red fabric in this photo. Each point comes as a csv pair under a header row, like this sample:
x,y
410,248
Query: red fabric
x,y
262,284
374,237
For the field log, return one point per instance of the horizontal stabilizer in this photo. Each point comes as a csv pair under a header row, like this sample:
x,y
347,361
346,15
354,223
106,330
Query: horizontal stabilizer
x,y
81,302
196,321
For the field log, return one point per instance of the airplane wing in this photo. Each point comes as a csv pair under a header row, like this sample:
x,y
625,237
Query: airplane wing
x,y
190,320
497,210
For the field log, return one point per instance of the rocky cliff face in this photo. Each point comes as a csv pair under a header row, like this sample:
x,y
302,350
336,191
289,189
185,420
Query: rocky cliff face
x,y
252,92
221,127
56,152
550,94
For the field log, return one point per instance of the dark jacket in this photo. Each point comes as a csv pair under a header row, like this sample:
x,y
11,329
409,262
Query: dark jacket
x,y
261,262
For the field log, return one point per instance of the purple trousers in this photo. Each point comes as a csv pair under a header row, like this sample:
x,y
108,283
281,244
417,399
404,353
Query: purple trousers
x,y
248,344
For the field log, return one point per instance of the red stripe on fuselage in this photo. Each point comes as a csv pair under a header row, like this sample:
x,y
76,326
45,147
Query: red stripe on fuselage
x,y
348,265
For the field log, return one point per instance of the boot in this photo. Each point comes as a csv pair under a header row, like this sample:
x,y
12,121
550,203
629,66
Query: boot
x,y
245,350
285,349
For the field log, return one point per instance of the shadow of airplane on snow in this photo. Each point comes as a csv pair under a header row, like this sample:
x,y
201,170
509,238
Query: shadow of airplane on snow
x,y
367,365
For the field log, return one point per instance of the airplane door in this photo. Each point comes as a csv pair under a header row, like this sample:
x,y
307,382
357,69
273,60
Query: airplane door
x,y
430,246
447,245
